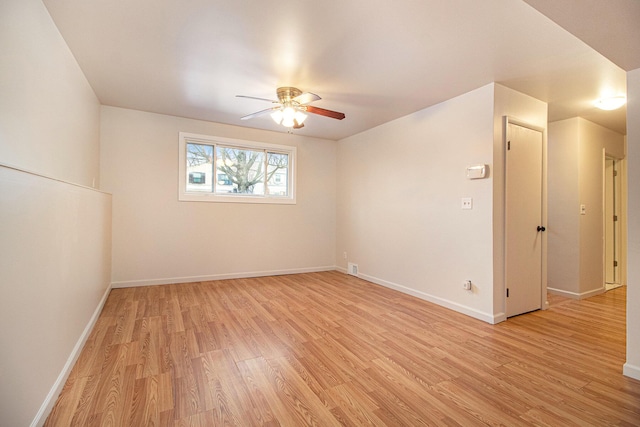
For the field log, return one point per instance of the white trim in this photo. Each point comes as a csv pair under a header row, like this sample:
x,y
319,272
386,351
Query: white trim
x,y
29,172
498,317
575,295
214,141
486,317
52,396
212,277
631,371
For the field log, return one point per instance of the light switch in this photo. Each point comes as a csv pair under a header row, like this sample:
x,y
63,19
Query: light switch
x,y
467,203
583,210
477,171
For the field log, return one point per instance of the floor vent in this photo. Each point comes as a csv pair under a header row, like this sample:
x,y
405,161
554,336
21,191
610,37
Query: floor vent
x,y
352,269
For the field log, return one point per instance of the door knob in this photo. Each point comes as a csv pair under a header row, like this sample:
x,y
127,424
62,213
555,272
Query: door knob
x,y
541,228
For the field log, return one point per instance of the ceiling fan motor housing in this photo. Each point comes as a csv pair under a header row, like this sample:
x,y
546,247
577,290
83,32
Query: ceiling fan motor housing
x,y
287,93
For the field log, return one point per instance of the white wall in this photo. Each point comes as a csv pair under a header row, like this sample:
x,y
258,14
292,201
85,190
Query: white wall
x,y
632,366
532,112
55,236
399,200
157,239
54,274
576,176
49,115
563,231
595,141
399,203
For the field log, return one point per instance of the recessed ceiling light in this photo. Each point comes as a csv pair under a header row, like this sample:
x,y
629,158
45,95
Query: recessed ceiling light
x,y
611,103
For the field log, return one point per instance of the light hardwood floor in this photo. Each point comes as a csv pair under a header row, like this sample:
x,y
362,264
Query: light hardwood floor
x,y
329,349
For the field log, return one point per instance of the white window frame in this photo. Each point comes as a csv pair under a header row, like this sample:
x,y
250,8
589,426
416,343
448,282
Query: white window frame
x,y
192,196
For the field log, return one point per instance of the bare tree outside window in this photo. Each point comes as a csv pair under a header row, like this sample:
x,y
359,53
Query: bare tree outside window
x,y
198,154
227,170
244,169
277,173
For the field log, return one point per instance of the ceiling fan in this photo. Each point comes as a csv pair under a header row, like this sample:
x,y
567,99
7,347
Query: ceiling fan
x,y
293,104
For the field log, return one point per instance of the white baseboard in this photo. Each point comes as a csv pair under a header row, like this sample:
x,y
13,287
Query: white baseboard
x,y
486,317
190,279
499,317
631,371
52,396
575,295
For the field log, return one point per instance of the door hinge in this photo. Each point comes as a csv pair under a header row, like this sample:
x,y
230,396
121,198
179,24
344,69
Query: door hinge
x,y
507,292
615,217
615,263
615,173
508,145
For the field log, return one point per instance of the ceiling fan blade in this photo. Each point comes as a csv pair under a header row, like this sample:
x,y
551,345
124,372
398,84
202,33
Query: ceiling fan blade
x,y
258,113
323,112
259,99
306,98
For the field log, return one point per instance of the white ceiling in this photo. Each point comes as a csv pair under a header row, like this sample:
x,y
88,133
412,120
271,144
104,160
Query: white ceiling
x,y
374,60
611,27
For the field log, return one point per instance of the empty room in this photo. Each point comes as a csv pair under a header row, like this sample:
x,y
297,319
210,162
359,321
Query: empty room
x,y
320,213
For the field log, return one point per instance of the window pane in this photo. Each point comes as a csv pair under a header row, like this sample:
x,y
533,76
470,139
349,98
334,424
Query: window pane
x,y
277,174
199,167
223,179
242,171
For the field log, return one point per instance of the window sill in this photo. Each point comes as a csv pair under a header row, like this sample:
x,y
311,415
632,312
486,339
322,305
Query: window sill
x,y
220,198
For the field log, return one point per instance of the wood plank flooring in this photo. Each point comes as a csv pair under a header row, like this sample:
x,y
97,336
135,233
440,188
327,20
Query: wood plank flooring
x,y
327,349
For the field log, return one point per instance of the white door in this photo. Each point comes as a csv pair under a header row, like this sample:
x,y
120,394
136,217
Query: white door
x,y
524,228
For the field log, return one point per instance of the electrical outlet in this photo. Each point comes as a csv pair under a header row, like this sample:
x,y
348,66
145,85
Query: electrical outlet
x,y
344,255
467,203
467,285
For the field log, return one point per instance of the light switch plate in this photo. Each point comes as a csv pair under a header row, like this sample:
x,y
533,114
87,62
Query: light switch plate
x,y
477,172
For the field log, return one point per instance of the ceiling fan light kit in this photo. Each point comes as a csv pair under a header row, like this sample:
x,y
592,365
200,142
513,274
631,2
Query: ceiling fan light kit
x,y
293,108
288,116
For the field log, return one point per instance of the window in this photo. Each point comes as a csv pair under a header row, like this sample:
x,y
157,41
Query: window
x,y
197,178
214,169
223,179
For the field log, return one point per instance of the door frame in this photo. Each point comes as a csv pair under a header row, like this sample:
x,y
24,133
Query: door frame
x,y
544,303
615,195
621,207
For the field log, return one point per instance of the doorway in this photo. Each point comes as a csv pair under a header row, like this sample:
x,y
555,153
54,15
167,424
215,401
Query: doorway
x,y
612,228
524,231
